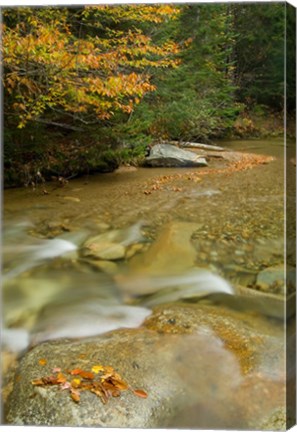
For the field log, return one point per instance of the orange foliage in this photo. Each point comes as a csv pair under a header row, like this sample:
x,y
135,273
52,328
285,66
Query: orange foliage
x,y
47,66
107,383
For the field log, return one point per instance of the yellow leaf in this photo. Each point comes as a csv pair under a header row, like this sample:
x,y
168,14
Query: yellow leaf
x,y
76,382
97,368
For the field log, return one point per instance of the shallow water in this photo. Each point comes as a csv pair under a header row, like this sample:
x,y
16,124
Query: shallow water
x,y
187,236
239,219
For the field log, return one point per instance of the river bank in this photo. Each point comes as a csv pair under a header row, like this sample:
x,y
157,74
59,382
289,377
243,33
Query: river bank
x,y
52,156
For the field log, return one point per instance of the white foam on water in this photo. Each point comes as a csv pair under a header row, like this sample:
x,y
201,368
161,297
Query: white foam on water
x,y
14,339
86,318
46,249
196,280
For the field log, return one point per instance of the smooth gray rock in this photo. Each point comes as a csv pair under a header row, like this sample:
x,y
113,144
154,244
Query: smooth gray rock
x,y
166,155
201,366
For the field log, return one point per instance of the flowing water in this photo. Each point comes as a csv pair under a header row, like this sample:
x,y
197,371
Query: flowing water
x,y
237,229
184,236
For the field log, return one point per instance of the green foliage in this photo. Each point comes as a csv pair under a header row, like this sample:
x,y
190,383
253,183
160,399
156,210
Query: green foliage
x,y
259,53
195,101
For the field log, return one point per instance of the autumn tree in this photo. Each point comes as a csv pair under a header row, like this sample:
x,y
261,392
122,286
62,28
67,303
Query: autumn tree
x,y
83,65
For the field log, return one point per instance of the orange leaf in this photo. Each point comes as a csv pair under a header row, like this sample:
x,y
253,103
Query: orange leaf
x,y
61,378
119,384
87,375
82,373
42,362
75,372
140,393
50,380
75,395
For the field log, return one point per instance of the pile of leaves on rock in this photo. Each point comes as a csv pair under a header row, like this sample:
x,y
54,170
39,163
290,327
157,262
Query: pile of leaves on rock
x,y
104,381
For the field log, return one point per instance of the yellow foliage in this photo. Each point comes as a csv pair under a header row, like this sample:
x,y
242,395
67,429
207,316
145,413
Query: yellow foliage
x,y
48,66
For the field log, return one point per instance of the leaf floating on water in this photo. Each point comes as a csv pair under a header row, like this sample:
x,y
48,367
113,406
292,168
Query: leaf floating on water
x,y
140,393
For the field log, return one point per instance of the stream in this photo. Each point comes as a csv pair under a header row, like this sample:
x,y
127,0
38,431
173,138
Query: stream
x,y
100,252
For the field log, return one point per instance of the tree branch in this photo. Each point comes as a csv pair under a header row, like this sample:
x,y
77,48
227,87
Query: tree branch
x,y
62,125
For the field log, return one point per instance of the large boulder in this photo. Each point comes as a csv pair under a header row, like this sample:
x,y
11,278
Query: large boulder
x,y
166,155
201,367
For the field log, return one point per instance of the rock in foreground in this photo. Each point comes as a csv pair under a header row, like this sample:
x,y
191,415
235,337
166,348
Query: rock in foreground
x,y
166,155
201,367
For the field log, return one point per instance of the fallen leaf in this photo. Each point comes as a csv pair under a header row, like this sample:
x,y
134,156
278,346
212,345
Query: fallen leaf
x,y
50,380
76,382
42,362
97,368
109,383
108,372
119,384
75,372
140,393
83,374
87,375
61,378
66,385
100,393
75,395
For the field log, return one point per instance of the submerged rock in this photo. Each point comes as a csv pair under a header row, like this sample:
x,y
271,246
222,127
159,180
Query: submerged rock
x,y
108,267
201,366
272,279
112,245
166,155
172,252
25,298
104,251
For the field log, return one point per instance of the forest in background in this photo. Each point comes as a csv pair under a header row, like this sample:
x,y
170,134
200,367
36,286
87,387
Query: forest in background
x,y
87,89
